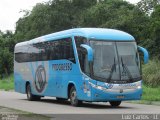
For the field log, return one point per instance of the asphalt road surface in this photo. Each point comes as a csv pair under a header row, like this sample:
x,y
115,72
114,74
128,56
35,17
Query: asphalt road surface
x,y
50,106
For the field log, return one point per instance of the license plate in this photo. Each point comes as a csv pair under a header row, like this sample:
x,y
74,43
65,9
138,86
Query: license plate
x,y
120,96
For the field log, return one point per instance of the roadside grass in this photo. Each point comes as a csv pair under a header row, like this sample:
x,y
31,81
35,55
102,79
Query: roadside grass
x,y
151,94
7,83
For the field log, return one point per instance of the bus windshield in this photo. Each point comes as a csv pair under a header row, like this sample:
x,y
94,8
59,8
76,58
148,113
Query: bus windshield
x,y
115,61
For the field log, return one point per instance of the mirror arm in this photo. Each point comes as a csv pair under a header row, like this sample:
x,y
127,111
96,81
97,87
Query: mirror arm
x,y
145,53
89,51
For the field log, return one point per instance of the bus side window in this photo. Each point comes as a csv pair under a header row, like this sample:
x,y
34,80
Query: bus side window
x,y
48,50
52,50
82,54
66,50
21,56
57,52
69,50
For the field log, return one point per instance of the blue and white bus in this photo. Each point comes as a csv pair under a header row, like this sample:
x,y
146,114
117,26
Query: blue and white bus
x,y
82,64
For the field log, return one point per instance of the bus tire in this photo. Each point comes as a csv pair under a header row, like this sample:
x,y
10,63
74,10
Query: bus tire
x,y
115,103
73,97
30,96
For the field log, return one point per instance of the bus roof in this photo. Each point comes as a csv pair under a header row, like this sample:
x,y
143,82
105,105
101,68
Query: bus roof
x,y
91,33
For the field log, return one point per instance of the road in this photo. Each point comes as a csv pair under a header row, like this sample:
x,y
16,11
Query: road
x,y
49,105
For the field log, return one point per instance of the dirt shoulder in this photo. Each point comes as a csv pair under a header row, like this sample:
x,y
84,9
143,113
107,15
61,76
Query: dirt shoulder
x,y
12,114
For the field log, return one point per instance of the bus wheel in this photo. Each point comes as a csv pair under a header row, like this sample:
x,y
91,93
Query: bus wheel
x,y
115,103
30,96
73,97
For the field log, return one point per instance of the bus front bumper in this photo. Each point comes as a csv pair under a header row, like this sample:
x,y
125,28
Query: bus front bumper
x,y
100,95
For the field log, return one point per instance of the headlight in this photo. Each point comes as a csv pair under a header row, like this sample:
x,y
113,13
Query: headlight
x,y
96,86
99,87
139,87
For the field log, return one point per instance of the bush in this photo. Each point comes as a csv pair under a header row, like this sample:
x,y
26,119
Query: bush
x,y
6,61
151,73
7,83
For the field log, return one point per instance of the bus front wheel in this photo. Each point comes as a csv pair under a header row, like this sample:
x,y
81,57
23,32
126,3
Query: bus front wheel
x,y
30,96
115,103
73,97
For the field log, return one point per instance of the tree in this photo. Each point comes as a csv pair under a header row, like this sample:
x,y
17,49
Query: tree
x,y
33,25
117,14
154,43
147,6
6,61
53,16
6,52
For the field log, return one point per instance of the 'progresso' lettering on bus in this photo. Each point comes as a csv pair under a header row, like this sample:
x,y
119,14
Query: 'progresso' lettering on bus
x,y
62,67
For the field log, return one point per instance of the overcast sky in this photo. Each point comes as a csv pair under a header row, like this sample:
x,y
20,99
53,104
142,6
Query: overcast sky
x,y
10,11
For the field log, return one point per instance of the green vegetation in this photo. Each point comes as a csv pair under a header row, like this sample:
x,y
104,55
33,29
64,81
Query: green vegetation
x,y
151,94
7,83
151,73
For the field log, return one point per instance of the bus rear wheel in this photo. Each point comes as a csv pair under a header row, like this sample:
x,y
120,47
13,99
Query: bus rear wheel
x,y
73,97
30,96
115,103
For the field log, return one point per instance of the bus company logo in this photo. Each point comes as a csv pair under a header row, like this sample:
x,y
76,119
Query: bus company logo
x,y
130,85
109,86
40,78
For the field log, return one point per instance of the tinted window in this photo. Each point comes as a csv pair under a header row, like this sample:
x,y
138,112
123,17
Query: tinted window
x,y
50,50
82,53
21,57
21,54
80,40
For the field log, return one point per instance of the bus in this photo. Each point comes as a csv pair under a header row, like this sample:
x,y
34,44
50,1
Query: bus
x,y
80,64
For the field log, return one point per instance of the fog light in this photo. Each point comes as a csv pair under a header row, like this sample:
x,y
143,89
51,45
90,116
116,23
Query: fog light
x,y
99,87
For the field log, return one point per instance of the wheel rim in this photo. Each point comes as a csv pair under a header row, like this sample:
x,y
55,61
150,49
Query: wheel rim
x,y
73,97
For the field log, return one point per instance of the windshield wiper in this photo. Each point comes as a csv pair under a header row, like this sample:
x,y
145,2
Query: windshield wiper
x,y
127,70
112,69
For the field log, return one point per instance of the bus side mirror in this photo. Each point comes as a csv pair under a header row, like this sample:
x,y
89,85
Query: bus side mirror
x,y
145,54
89,52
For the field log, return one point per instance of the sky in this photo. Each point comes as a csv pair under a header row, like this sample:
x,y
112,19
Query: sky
x,y
10,11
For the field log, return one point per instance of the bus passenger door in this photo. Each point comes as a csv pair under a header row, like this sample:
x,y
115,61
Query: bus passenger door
x,y
59,85
56,80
